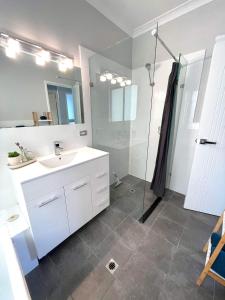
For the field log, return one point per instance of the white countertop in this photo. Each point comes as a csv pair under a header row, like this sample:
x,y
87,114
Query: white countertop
x,y
36,170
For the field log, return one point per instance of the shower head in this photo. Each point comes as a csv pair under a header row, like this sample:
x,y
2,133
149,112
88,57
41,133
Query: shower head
x,y
148,66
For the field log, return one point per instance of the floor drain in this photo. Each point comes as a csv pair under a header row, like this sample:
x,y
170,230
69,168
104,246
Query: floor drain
x,y
132,191
112,266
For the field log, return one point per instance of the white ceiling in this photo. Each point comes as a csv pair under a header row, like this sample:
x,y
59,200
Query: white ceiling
x,y
129,15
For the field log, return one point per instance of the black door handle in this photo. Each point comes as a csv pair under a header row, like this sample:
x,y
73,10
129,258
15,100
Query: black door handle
x,y
205,141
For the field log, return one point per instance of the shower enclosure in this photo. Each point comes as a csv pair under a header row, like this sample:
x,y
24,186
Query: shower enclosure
x,y
127,104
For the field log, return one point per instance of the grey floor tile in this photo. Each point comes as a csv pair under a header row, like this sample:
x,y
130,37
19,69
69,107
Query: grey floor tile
x,y
175,214
219,292
207,219
130,179
185,270
168,230
195,235
112,217
113,247
173,291
158,251
94,232
140,279
69,285
94,285
37,288
132,232
119,191
174,198
70,257
116,292
125,204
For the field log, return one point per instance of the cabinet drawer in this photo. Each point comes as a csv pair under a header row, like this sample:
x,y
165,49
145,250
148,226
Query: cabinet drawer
x,y
100,203
48,219
101,178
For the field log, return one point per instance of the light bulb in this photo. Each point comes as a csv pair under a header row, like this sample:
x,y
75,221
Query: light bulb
x,y
108,76
119,79
102,78
13,48
69,63
42,57
62,66
113,81
40,61
128,82
122,83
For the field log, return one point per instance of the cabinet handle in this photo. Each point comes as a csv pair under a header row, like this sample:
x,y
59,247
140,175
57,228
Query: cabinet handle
x,y
102,189
79,186
101,175
48,201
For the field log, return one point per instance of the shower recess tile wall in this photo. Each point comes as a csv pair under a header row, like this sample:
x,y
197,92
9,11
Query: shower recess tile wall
x,y
113,137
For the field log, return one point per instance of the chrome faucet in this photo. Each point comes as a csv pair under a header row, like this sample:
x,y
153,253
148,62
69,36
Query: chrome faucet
x,y
57,148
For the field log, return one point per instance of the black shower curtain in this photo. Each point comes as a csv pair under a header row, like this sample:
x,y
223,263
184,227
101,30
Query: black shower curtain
x,y
159,177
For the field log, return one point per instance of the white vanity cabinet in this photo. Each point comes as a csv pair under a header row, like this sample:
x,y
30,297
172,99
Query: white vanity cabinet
x,y
62,201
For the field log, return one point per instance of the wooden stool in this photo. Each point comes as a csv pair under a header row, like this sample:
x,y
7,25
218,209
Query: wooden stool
x,y
211,257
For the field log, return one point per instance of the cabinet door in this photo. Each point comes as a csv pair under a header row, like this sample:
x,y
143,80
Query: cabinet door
x,y
79,204
49,223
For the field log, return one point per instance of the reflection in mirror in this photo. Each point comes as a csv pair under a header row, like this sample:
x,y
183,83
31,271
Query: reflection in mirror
x,y
64,103
33,95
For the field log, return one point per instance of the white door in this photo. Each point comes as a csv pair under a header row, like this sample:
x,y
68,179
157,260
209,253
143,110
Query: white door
x,y
49,224
206,189
79,203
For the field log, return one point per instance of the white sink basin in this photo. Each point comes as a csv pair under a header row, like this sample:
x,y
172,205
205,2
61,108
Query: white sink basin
x,y
58,161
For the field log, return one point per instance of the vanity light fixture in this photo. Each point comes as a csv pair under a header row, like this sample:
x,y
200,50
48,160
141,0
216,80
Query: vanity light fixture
x,y
114,78
13,46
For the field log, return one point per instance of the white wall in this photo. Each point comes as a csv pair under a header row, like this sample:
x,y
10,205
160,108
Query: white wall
x,y
40,139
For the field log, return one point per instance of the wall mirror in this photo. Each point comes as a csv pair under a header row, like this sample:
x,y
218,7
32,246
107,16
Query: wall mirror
x,y
34,95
